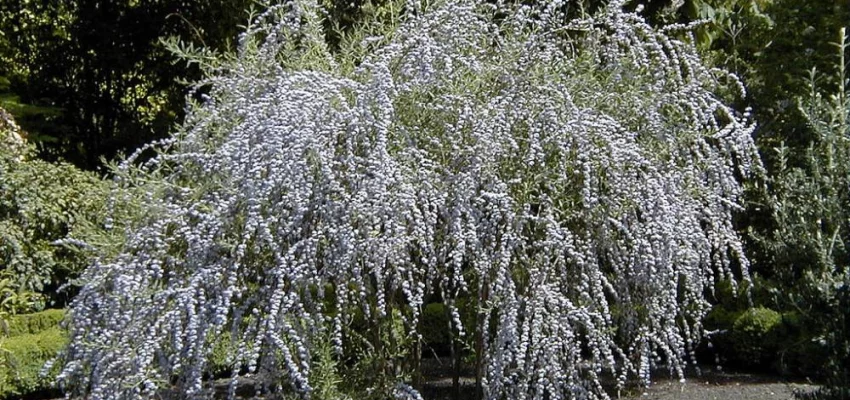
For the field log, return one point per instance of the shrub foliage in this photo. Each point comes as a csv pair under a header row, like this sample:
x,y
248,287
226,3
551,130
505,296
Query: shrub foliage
x,y
810,245
41,203
572,179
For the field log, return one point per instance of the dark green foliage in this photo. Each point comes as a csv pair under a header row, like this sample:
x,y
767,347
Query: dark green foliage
x,y
719,323
835,340
91,79
800,352
22,359
35,118
772,45
435,327
801,38
100,70
806,250
798,218
721,318
838,341
343,15
763,339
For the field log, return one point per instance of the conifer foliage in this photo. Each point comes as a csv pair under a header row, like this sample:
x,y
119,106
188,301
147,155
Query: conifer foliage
x,y
572,180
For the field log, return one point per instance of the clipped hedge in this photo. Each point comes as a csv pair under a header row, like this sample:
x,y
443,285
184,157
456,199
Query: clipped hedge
x,y
22,359
751,338
23,324
27,342
755,336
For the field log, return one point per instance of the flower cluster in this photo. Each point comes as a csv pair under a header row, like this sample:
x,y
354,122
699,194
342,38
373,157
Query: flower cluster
x,y
575,177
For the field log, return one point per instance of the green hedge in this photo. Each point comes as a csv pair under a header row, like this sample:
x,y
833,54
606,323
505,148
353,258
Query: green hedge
x,y
747,338
756,335
22,359
23,324
27,342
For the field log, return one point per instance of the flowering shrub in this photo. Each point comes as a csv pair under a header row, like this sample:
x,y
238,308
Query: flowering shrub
x,y
574,178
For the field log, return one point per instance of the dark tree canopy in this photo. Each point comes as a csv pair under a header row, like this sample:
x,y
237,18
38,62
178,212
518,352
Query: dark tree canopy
x,y
101,69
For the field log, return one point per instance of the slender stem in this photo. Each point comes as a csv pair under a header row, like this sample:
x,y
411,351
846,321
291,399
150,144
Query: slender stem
x,y
842,82
453,348
479,340
417,355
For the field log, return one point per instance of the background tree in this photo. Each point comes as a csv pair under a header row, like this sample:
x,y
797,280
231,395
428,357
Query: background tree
x,y
99,68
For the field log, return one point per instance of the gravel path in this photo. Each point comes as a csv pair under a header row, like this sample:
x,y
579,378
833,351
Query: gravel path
x,y
703,391
717,385
710,384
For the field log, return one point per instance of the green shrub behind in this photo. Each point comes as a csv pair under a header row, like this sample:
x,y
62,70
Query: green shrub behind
x,y
750,338
808,247
42,203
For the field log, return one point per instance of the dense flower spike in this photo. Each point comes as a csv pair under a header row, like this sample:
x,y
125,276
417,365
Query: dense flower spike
x,y
575,176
